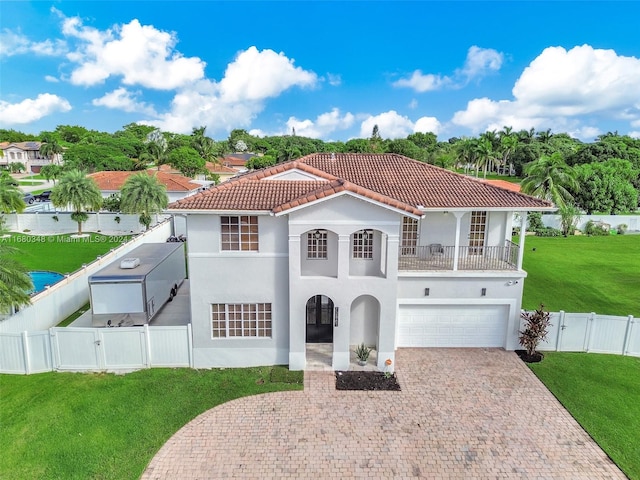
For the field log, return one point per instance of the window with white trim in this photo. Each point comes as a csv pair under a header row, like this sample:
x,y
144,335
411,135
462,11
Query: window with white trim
x,y
363,244
240,320
409,240
239,233
317,245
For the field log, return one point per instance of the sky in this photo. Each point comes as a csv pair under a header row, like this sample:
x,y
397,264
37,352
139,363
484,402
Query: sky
x,y
328,69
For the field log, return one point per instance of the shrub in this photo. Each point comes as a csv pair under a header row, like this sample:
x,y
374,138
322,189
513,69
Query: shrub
x,y
595,229
536,325
622,228
548,232
535,221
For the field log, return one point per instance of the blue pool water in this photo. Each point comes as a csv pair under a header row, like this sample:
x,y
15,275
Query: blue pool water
x,y
42,279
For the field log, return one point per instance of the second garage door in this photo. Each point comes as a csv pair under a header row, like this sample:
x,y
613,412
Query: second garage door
x,y
452,326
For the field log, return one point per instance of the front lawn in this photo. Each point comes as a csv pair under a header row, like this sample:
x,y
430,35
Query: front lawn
x,y
602,392
106,426
583,274
62,253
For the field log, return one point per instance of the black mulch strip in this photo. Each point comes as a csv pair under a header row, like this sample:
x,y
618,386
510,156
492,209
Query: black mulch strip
x,y
535,358
349,380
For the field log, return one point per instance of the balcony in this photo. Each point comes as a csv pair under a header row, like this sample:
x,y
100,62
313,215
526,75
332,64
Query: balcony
x,y
439,257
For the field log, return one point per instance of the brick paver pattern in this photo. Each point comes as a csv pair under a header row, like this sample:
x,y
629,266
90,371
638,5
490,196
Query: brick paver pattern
x,y
462,413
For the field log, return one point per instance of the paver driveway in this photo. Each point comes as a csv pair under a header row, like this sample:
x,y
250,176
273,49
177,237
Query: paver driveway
x,y
462,413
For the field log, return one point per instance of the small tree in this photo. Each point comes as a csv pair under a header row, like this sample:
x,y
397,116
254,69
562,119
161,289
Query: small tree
x,y
569,217
143,194
536,325
80,192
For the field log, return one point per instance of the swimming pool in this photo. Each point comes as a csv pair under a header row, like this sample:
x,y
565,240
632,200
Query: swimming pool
x,y
42,279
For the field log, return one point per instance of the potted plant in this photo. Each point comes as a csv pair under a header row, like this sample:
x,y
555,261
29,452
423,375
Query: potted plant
x,y
362,352
536,325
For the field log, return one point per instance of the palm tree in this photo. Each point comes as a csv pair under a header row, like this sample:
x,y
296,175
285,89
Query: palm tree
x,y
204,145
550,178
51,149
508,145
15,282
156,149
80,192
10,197
465,152
485,156
143,194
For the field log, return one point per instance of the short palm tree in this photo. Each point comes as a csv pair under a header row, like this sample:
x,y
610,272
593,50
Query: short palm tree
x,y
10,197
144,195
80,192
15,282
550,178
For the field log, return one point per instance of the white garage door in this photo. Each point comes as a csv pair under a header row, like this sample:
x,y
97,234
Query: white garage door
x,y
452,326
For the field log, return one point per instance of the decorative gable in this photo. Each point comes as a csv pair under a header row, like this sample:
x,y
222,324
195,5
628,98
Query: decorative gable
x,y
296,174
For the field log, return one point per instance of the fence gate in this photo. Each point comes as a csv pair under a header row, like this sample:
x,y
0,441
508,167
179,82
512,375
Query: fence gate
x,y
76,349
574,332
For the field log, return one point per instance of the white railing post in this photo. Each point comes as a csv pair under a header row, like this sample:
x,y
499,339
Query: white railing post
x,y
627,335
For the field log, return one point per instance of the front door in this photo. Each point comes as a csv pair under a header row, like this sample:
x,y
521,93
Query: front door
x,y
477,233
319,319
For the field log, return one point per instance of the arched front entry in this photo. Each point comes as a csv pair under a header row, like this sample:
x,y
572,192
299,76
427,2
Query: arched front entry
x,y
319,319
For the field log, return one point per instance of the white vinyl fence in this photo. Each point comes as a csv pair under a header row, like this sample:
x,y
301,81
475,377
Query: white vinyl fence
x,y
96,349
590,332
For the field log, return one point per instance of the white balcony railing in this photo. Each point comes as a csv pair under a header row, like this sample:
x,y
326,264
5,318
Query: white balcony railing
x,y
441,257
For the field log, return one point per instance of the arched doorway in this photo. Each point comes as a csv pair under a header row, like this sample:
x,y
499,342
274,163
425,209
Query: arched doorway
x,y
319,319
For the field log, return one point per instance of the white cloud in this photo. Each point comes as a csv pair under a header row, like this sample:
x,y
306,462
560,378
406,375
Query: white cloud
x,y
30,110
585,133
413,104
635,134
423,83
427,124
239,97
276,74
140,54
390,124
122,99
558,87
51,79
12,43
334,79
480,61
323,125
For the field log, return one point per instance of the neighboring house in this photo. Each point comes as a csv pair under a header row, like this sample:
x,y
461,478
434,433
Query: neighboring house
x,y
27,153
351,248
178,186
224,173
237,161
515,187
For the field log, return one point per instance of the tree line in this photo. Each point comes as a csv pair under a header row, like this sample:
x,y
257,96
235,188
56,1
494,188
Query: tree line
x,y
602,176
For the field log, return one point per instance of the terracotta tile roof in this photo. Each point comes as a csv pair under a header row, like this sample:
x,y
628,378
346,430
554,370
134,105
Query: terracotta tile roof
x,y
231,161
514,187
390,179
217,168
114,180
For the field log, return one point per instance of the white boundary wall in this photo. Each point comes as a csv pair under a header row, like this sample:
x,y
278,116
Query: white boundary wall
x,y
40,223
631,221
590,332
51,306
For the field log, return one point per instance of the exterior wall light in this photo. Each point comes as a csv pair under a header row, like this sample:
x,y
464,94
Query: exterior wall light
x,y
426,292
483,293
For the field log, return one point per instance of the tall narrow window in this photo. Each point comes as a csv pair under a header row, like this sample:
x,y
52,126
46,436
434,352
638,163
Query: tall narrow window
x,y
317,244
409,236
239,233
477,229
363,244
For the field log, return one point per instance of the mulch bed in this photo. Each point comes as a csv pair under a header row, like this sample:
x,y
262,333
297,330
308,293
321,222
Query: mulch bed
x,y
350,380
535,358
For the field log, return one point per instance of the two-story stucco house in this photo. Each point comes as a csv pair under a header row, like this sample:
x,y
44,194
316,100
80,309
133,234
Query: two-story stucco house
x,y
351,248
27,153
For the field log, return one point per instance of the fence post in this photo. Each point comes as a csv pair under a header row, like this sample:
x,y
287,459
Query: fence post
x,y
147,343
25,353
561,328
627,335
589,335
190,344
52,344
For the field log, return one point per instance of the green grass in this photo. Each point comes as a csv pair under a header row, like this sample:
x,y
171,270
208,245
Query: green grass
x,y
62,253
106,426
602,392
583,274
74,316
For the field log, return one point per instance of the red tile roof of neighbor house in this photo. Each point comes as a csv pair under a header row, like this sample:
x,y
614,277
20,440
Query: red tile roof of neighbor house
x,y
217,168
114,180
514,187
393,180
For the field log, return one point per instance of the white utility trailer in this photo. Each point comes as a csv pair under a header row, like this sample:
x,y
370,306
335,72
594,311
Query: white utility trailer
x,y
131,290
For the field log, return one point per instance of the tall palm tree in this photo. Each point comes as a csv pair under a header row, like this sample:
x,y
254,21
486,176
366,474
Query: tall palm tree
x,y
485,155
465,152
143,194
550,178
80,192
508,145
156,149
51,149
